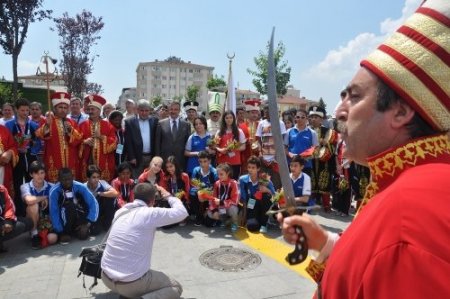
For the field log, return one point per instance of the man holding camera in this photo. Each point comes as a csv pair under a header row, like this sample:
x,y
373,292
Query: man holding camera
x,y
126,260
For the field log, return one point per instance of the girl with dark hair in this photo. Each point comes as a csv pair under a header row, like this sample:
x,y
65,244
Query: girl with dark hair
x,y
196,143
230,143
124,184
176,182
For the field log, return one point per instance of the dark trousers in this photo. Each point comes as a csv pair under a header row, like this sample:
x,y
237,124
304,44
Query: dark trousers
x,y
107,209
75,216
20,175
22,225
257,217
197,207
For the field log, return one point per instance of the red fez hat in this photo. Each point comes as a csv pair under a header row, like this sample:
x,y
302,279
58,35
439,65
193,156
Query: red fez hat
x,y
415,62
95,100
60,97
252,104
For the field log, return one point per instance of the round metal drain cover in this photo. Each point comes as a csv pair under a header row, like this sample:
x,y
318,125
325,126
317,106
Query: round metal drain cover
x,y
229,259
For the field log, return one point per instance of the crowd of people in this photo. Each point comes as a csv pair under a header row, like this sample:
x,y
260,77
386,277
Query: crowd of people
x,y
66,172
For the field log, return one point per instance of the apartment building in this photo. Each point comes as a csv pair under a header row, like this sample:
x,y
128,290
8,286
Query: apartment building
x,y
170,78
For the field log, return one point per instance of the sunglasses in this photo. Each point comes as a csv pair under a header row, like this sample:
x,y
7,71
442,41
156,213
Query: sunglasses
x,y
300,117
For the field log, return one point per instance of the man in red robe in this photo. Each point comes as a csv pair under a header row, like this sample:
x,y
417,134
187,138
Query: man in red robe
x,y
62,138
8,158
394,118
100,141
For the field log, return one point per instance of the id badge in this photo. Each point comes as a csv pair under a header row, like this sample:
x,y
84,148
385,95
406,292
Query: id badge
x,y
222,211
68,194
119,149
251,203
231,154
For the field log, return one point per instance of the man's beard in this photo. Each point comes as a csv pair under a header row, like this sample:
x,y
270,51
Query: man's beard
x,y
341,127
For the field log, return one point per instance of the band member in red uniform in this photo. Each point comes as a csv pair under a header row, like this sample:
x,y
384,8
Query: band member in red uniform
x,y
8,158
100,141
394,118
62,138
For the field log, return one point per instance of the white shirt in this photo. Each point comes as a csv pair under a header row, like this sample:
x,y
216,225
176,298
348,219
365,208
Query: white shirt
x,y
128,251
144,126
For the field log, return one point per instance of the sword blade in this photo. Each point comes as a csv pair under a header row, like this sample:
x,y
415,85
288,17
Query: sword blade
x,y
276,129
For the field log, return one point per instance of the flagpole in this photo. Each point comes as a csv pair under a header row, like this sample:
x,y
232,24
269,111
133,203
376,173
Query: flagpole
x,y
230,103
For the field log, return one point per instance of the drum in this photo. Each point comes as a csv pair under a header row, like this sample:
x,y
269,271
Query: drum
x,y
324,154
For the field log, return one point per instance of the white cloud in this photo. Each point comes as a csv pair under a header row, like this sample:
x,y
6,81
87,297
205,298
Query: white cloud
x,y
341,63
25,67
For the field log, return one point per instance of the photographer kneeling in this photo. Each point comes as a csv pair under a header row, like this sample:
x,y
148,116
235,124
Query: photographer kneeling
x,y
127,257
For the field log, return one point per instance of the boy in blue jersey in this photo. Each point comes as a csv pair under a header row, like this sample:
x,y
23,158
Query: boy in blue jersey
x,y
35,195
207,175
255,196
72,207
300,181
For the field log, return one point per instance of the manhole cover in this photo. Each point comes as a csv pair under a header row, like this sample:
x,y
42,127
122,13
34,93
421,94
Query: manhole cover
x,y
229,259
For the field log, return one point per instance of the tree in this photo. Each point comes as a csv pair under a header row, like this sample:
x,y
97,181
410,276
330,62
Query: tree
x,y
192,92
156,101
322,104
282,71
77,36
6,93
216,84
177,98
94,88
15,18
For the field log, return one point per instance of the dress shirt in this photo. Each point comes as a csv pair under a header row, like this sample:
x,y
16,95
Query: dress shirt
x,y
171,123
128,251
144,126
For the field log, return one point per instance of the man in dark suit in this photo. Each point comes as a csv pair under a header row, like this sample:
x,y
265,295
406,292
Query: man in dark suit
x,y
140,137
172,134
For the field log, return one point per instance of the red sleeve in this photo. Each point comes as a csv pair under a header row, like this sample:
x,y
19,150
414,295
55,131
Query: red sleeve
x,y
116,185
143,177
187,185
234,195
413,273
10,209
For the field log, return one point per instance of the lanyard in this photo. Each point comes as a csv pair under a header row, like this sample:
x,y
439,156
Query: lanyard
x,y
223,196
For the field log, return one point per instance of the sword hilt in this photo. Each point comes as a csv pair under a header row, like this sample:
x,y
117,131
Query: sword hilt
x,y
300,252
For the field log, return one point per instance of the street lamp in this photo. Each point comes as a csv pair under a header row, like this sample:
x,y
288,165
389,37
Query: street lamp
x,y
48,77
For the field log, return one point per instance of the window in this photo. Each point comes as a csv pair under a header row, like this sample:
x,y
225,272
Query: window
x,y
190,70
164,77
172,78
164,86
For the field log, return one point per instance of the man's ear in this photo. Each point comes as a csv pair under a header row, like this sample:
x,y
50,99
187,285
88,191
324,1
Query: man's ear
x,y
402,114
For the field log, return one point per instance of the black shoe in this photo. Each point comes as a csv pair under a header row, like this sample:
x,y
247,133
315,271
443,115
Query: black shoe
x,y
198,222
36,242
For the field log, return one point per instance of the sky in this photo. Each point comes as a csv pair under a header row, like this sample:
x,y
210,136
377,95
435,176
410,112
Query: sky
x,y
324,39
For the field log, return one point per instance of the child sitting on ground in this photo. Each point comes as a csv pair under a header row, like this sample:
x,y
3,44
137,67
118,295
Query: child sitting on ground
x,y
124,184
35,194
226,196
206,175
256,196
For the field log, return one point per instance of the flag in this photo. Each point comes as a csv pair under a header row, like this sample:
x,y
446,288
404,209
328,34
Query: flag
x,y
231,95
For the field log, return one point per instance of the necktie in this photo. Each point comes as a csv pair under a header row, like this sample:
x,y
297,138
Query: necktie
x,y
174,129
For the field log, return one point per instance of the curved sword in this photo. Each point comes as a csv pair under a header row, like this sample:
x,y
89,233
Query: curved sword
x,y
301,250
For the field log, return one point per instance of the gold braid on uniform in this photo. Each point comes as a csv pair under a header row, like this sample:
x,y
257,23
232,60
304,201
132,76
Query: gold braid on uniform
x,y
385,168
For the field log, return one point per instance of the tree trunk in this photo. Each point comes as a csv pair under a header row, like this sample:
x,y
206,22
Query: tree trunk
x,y
15,79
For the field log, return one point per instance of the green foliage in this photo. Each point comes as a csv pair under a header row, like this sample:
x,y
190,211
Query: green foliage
x,y
322,104
77,37
192,92
216,83
177,98
15,19
282,71
156,101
